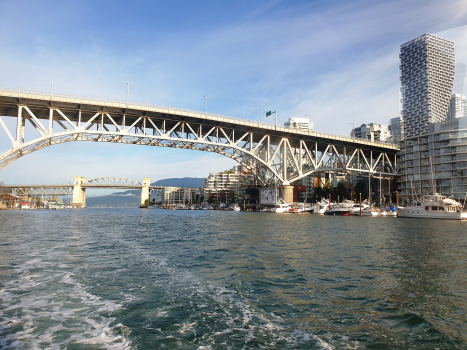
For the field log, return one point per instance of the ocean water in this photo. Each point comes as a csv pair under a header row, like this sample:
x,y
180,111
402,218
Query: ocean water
x,y
155,279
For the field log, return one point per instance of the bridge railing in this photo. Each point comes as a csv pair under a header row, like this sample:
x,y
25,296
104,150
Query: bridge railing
x,y
110,102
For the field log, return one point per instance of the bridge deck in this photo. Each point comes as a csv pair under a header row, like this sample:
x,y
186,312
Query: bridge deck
x,y
40,103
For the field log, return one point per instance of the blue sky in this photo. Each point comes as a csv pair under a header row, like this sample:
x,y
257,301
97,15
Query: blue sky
x,y
334,60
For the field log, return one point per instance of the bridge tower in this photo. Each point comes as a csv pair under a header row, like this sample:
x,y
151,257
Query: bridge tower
x,y
79,193
145,190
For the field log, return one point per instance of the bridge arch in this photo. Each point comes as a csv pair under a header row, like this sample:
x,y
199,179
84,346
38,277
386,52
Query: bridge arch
x,y
113,182
269,151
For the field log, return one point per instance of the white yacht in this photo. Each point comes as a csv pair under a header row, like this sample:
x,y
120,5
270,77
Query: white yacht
x,y
234,207
433,207
355,210
320,207
280,207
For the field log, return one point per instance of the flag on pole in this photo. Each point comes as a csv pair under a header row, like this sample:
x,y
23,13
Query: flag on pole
x,y
268,113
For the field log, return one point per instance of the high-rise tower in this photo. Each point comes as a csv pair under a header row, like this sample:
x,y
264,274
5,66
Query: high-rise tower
x,y
457,106
427,77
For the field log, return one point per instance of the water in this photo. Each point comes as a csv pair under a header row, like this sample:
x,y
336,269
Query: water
x,y
154,279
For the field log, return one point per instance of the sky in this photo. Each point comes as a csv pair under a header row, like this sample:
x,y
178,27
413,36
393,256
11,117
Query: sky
x,y
337,61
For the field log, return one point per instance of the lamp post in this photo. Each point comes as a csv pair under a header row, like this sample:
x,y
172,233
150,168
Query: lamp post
x,y
309,122
127,93
258,112
353,130
206,96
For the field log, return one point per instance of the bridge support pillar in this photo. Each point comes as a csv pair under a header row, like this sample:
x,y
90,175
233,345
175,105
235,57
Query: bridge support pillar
x,y
288,193
145,190
79,193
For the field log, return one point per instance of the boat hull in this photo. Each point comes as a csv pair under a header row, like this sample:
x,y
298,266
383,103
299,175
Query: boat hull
x,y
337,212
422,214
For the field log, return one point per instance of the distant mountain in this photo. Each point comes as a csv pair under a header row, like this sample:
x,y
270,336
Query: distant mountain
x,y
191,182
132,198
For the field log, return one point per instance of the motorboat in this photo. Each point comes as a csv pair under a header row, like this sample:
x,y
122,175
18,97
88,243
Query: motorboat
x,y
355,210
433,206
303,208
389,211
320,207
234,207
337,210
280,207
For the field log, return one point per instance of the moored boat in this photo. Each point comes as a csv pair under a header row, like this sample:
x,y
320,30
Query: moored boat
x,y
280,207
336,210
433,207
320,207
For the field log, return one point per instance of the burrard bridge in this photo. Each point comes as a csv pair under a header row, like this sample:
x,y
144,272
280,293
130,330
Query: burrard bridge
x,y
271,152
78,188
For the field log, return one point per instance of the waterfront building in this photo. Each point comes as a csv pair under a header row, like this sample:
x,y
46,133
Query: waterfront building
x,y
395,129
427,68
299,123
457,106
436,159
218,185
177,195
371,132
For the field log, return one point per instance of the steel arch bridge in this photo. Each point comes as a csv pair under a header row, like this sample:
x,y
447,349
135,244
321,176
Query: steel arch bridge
x,y
112,182
269,151
64,190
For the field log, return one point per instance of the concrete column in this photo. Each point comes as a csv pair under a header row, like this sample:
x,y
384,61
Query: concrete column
x,y
288,193
145,190
79,193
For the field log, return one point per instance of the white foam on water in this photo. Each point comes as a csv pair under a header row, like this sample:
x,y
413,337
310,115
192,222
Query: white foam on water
x,y
50,308
237,316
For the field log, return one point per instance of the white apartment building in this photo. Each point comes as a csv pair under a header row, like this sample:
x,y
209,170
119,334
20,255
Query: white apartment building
x,y
299,123
233,180
440,156
177,195
457,106
371,132
427,66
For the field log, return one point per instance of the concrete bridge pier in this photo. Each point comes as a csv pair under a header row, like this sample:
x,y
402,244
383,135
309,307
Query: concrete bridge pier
x,y
288,193
145,190
79,193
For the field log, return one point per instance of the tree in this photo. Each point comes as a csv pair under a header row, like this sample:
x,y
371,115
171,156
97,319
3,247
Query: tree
x,y
342,191
211,197
222,196
232,196
360,187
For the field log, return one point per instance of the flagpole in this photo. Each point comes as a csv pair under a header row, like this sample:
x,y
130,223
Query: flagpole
x,y
269,113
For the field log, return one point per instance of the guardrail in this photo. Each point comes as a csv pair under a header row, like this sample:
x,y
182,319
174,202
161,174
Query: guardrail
x,y
214,116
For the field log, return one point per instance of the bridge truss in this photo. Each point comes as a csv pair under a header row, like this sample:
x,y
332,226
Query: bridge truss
x,y
269,151
64,190
41,190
